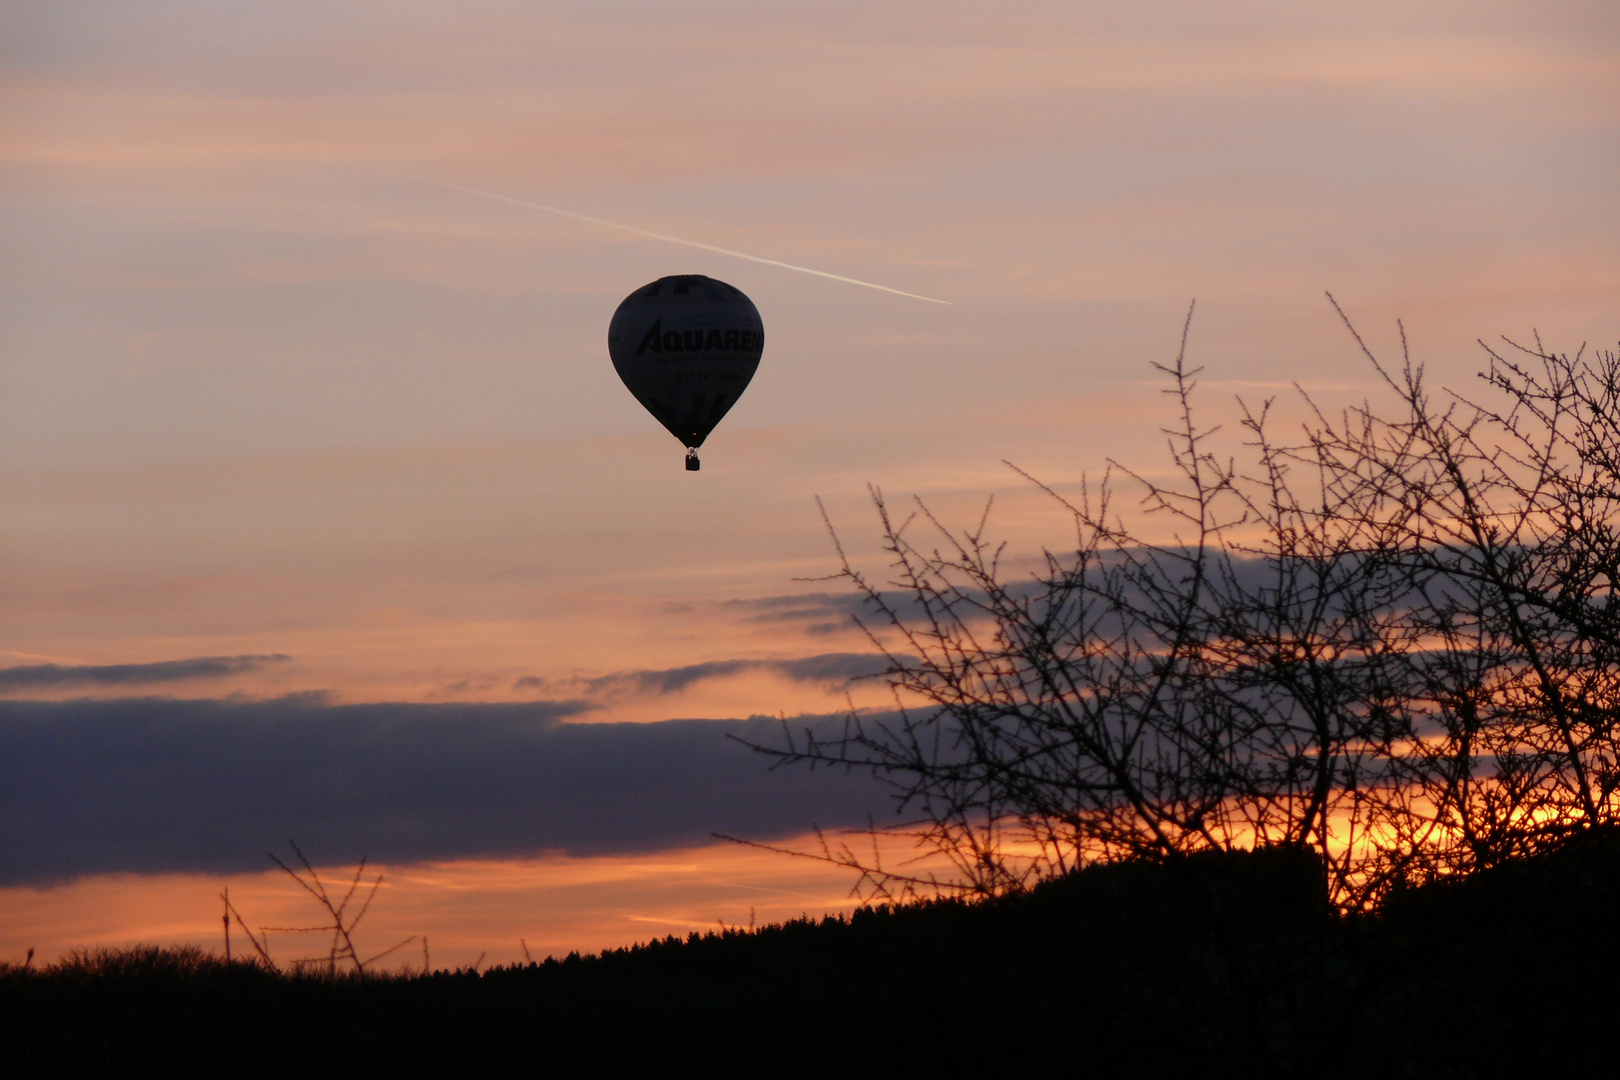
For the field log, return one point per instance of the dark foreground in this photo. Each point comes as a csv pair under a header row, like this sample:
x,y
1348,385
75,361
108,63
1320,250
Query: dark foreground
x,y
1220,966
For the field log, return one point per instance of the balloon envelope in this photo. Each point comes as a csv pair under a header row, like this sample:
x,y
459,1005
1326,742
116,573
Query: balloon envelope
x,y
686,346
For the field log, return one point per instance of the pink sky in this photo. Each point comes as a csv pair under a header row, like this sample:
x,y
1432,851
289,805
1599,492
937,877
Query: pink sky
x,y
262,394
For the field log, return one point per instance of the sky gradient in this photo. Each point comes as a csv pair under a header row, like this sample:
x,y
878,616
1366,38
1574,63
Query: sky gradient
x,y
287,433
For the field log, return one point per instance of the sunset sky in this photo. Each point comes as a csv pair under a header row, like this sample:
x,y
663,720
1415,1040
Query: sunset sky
x,y
324,516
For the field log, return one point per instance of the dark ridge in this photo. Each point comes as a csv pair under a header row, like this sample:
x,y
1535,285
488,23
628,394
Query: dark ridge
x,y
1217,965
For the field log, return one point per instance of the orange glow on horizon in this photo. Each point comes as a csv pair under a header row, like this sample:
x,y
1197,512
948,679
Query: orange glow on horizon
x,y
553,904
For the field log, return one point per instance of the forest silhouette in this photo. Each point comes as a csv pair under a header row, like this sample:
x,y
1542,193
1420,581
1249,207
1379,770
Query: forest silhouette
x,y
1223,963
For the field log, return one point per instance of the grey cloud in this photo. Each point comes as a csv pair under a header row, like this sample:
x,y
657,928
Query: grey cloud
x,y
37,676
152,784
825,611
831,668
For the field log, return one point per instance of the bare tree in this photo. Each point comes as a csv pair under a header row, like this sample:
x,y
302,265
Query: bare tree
x,y
341,927
1504,519
1388,642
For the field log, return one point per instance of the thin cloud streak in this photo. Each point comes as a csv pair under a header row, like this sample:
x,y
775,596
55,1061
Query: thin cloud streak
x,y
36,676
834,670
671,239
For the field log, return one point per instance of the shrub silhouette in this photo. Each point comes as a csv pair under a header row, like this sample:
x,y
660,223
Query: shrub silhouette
x,y
342,955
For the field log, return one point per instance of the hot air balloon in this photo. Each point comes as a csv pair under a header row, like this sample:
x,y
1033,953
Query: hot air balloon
x,y
686,346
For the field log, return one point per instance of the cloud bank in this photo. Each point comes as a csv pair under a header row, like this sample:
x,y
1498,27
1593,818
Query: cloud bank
x,y
149,785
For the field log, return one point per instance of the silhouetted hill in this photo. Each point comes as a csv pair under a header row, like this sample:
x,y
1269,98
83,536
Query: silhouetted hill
x,y
1218,965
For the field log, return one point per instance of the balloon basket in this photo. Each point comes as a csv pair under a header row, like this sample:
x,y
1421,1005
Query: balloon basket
x,y
692,463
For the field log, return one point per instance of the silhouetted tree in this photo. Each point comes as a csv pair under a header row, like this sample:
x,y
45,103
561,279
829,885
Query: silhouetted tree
x,y
1503,519
1388,641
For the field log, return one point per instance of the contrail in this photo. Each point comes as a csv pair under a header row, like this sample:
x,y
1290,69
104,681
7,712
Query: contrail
x,y
670,239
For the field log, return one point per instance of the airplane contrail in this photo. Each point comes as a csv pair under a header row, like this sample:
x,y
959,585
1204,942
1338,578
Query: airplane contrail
x,y
670,239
